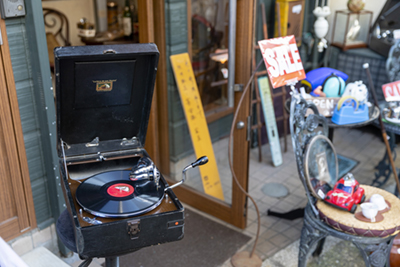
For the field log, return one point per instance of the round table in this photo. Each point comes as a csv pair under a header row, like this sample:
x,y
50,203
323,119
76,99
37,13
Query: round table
x,y
373,115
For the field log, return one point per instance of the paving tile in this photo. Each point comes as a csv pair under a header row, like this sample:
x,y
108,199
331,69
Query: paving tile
x,y
278,240
300,192
260,255
283,206
268,234
42,236
268,221
272,252
262,207
256,193
292,199
299,225
266,247
292,233
251,229
281,226
23,245
270,200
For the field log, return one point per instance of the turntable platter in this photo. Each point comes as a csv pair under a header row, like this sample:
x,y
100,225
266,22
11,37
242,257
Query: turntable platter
x,y
113,195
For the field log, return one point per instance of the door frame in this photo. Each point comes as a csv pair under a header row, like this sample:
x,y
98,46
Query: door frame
x,y
15,147
236,213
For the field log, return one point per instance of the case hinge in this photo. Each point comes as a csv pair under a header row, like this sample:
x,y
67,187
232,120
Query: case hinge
x,y
134,228
94,142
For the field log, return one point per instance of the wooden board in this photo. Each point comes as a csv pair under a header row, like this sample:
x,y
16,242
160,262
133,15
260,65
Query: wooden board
x,y
270,121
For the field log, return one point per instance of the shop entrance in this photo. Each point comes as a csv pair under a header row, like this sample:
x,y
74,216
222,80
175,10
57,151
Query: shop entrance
x,y
163,130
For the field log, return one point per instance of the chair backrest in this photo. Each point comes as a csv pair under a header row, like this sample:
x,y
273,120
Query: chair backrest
x,y
57,23
309,136
57,31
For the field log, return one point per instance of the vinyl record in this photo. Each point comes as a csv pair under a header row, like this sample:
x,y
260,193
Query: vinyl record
x,y
113,195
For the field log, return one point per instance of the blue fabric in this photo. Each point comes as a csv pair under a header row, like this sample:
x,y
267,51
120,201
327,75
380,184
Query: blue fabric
x,y
317,77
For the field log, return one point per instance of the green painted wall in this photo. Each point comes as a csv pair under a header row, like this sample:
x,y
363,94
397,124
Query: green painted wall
x,y
30,62
21,63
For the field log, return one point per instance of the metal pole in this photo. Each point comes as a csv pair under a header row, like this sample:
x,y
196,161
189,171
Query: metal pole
x,y
112,262
231,51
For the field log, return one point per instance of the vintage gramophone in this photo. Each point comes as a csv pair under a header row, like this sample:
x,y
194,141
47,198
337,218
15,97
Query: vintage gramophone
x,y
117,201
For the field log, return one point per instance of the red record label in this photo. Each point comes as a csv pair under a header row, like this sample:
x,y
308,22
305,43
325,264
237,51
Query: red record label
x,y
120,190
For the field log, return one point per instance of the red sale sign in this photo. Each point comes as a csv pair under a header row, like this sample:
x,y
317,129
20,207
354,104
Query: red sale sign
x,y
282,60
391,91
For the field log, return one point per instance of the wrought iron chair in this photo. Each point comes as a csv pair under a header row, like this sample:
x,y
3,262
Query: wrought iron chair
x,y
304,129
57,31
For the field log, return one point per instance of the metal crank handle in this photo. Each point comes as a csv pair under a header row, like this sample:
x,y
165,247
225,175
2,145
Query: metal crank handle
x,y
200,161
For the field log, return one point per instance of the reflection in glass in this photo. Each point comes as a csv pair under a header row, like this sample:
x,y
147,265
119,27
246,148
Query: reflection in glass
x,y
209,51
321,166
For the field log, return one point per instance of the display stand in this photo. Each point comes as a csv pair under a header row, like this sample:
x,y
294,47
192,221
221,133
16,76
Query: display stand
x,y
351,29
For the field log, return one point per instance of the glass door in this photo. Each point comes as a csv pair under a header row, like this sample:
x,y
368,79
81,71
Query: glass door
x,y
207,43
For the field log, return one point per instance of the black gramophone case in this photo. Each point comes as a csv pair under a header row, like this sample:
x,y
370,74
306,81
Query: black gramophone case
x,y
103,99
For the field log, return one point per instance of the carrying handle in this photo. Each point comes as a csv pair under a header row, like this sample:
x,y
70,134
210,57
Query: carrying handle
x,y
200,161
109,51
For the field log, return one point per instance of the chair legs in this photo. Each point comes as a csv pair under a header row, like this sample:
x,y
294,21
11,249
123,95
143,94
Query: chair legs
x,y
319,248
375,250
310,237
375,255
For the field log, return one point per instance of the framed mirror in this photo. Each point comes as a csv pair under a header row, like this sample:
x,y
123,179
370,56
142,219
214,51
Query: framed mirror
x,y
320,166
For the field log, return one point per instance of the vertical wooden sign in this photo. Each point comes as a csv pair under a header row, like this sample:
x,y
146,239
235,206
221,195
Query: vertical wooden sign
x,y
270,122
197,123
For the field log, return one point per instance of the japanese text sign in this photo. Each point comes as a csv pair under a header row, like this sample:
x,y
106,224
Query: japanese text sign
x,y
391,91
282,60
197,123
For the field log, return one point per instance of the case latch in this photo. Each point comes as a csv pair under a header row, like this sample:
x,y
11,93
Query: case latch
x,y
134,228
129,142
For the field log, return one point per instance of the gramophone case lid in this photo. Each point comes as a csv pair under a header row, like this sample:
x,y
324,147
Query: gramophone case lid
x,y
103,92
